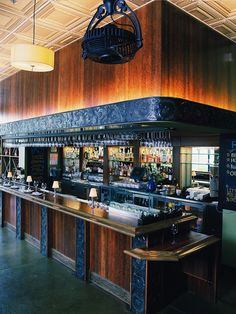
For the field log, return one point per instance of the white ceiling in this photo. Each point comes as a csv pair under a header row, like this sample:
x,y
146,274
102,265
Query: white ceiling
x,y
60,22
218,14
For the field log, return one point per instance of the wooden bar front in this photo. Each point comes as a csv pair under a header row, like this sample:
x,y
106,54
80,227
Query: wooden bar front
x,y
93,245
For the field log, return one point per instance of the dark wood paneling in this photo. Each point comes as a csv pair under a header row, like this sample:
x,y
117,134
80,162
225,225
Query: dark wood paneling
x,y
32,217
107,258
9,205
64,234
202,271
181,57
193,60
77,84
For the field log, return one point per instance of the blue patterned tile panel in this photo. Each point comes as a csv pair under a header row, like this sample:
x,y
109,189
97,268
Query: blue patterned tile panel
x,y
138,278
1,210
19,220
44,249
80,262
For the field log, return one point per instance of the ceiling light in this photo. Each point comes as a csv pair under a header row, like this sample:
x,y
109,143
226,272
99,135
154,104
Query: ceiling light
x,y
30,57
112,44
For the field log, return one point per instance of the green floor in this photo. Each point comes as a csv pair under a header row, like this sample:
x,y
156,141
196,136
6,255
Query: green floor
x,y
30,284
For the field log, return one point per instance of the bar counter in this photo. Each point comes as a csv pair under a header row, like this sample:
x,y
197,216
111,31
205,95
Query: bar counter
x,y
79,208
98,248
174,252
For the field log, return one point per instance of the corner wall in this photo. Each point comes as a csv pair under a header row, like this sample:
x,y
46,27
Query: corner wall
x,y
181,57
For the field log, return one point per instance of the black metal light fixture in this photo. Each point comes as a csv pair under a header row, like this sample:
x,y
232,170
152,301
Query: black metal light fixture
x,y
112,44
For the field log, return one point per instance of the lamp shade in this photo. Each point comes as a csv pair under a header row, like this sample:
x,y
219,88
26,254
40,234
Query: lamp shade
x,y
194,174
55,185
29,179
93,193
32,58
9,174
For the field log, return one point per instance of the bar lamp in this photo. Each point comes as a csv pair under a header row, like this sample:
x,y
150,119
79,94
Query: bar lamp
x,y
55,186
93,194
9,176
31,57
193,175
29,180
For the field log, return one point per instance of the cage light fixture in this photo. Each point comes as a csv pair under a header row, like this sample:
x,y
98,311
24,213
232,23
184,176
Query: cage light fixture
x,y
31,57
114,43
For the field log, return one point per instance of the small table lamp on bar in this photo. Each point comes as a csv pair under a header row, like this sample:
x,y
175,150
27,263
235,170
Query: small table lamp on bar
x,y
29,180
9,176
55,186
193,175
93,194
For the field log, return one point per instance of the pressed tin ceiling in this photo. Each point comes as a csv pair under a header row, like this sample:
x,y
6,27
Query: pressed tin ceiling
x,y
61,22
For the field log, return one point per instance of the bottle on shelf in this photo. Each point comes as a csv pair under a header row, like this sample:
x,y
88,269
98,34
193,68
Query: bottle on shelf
x,y
169,171
120,160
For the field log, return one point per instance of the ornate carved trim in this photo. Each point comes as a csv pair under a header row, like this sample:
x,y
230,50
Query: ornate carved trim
x,y
139,110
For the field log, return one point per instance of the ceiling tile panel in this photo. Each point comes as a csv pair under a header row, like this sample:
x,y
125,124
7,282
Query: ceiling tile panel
x,y
218,14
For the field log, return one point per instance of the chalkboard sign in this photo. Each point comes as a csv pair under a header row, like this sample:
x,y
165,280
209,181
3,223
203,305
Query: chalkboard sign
x,y
37,163
227,183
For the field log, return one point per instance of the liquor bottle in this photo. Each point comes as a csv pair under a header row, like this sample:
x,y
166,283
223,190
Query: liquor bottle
x,y
174,182
170,175
121,169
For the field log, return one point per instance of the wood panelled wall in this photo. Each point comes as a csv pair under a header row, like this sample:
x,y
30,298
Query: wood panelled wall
x,y
9,209
32,219
194,61
64,234
181,57
107,257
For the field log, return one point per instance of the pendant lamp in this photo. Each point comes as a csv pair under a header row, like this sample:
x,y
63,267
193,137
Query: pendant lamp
x,y
114,43
30,57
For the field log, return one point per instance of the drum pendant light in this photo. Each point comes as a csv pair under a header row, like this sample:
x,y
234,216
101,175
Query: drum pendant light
x,y
30,57
114,43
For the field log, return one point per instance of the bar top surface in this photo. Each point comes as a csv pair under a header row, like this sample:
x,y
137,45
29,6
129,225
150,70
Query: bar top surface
x,y
183,246
79,208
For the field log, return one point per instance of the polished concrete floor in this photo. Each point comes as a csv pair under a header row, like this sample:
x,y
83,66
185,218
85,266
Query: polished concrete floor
x,y
31,284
